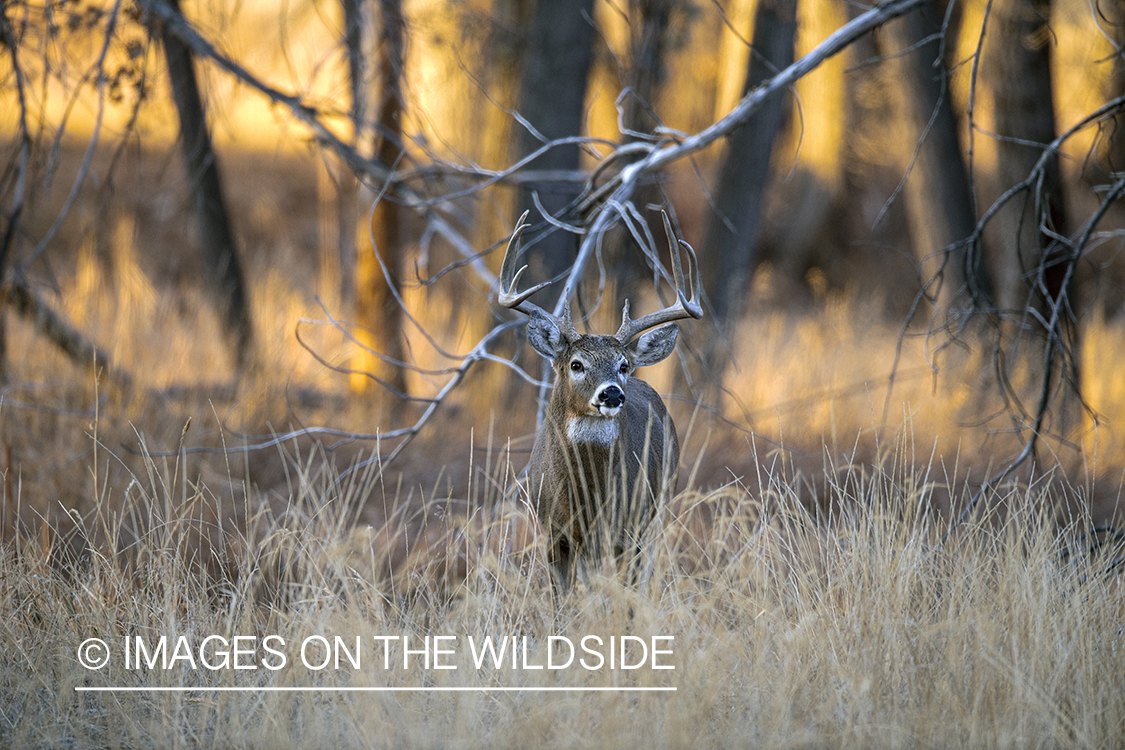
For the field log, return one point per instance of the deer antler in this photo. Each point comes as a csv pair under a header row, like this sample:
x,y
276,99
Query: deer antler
x,y
508,296
687,297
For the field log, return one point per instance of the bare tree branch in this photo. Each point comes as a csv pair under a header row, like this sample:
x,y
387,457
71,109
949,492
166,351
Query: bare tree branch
x,y
100,80
381,177
80,350
666,151
1054,339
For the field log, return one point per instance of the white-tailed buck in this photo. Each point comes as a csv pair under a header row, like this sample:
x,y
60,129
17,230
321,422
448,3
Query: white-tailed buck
x,y
607,454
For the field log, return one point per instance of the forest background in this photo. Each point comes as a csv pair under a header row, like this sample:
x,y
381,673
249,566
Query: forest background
x,y
250,254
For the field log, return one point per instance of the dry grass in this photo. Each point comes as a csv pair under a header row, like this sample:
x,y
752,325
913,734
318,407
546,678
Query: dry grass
x,y
851,627
800,572
858,630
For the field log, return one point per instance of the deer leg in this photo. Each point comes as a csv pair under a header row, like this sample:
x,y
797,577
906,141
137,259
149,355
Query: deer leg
x,y
564,564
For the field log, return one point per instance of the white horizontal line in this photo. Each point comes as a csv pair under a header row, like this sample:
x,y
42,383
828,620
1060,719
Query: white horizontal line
x,y
348,689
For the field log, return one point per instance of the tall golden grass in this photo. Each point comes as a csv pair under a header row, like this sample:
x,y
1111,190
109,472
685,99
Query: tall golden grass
x,y
789,630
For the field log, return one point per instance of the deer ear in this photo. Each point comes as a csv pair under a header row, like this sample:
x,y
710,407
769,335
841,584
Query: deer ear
x,y
545,335
653,346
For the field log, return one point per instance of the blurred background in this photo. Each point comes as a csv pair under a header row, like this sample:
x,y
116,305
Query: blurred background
x,y
229,222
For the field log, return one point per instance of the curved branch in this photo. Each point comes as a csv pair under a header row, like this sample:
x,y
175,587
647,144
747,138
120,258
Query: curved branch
x,y
662,154
1054,327
371,169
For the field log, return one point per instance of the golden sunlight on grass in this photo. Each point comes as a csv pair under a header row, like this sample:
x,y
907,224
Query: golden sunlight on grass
x,y
786,631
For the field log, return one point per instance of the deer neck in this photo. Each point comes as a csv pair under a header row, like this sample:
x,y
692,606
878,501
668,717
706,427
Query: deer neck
x,y
585,432
594,449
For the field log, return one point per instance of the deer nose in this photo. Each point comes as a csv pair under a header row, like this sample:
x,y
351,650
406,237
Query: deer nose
x,y
611,396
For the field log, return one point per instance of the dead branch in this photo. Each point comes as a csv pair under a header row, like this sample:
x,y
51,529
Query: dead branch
x,y
1055,338
97,73
1050,151
620,187
967,245
380,176
77,348
666,151
479,353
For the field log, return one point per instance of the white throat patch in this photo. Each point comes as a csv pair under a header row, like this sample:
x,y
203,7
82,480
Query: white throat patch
x,y
591,431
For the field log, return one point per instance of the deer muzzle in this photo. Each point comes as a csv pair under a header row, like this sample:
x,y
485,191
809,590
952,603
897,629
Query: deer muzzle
x,y
608,399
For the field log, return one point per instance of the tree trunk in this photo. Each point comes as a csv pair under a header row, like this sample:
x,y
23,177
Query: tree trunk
x,y
1105,289
5,375
357,24
552,100
647,68
377,310
1029,268
732,233
216,237
1018,62
938,203
1111,154
23,138
646,72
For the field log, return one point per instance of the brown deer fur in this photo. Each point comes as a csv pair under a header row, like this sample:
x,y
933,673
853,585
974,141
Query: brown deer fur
x,y
606,456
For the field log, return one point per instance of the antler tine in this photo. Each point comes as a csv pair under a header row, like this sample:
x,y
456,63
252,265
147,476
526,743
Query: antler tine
x,y
506,294
677,268
687,295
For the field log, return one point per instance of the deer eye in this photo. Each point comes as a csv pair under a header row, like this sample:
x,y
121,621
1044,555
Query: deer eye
x,y
624,368
576,366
